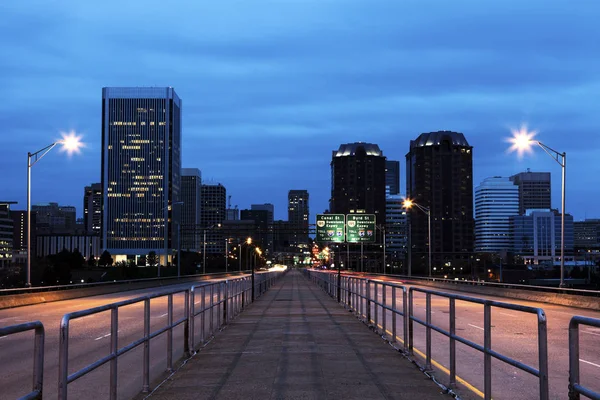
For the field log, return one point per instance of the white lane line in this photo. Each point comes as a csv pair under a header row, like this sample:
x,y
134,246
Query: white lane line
x,y
475,326
164,315
2,337
102,337
433,312
503,313
591,333
591,363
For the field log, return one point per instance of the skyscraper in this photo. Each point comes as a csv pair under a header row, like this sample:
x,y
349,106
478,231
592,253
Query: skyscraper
x,y
439,176
92,208
191,195
534,190
6,234
496,200
298,214
358,180
392,176
141,171
268,207
395,229
212,213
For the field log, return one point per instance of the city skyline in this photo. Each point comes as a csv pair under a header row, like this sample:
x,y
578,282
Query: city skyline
x,y
266,105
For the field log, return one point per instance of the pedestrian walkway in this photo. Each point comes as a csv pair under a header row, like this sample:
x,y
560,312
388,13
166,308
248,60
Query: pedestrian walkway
x,y
295,342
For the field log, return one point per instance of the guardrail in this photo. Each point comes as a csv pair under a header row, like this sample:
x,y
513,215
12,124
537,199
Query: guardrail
x,y
575,387
37,390
486,349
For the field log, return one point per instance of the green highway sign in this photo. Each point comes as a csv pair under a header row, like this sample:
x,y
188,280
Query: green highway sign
x,y
360,228
330,227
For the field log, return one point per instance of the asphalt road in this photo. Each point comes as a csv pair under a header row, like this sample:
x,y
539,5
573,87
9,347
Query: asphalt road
x,y
514,334
89,340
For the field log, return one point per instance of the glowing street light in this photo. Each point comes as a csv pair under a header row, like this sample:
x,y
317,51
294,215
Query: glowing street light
x,y
522,142
71,144
408,203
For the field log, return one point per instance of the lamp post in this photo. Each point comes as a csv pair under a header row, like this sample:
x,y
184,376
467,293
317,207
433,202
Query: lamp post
x,y
522,141
408,204
259,252
248,241
177,203
71,143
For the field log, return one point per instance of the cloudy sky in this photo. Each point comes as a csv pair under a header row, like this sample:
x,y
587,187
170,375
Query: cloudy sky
x,y
271,87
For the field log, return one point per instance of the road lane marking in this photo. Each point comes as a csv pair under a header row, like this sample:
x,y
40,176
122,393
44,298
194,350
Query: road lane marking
x,y
164,315
503,313
441,367
591,333
102,337
475,326
2,337
591,363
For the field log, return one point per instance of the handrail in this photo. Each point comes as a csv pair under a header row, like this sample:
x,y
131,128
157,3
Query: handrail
x,y
37,390
575,386
542,373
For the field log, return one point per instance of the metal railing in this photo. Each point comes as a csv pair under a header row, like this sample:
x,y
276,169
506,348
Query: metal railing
x,y
486,349
37,390
575,387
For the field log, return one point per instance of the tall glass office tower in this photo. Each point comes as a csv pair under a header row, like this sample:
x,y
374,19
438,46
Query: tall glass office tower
x,y
141,171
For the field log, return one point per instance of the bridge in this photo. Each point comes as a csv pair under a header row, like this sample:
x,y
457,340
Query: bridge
x,y
302,338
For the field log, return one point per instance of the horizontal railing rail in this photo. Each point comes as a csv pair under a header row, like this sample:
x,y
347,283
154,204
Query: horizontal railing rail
x,y
575,386
37,391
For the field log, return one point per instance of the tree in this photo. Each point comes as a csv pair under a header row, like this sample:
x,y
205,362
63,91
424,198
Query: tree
x,y
105,259
61,265
131,263
151,260
141,262
77,259
91,262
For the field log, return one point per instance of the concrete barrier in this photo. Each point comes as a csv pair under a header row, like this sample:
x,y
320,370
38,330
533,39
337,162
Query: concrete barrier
x,y
587,302
26,299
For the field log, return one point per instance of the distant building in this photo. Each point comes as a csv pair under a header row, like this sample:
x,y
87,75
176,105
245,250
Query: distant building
x,y
232,214
212,213
53,218
395,229
392,176
92,208
534,190
260,236
358,180
439,176
496,200
6,234
19,218
537,236
141,171
191,195
87,244
298,214
270,209
587,235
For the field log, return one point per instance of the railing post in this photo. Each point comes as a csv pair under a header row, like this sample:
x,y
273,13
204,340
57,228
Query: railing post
x,y
452,343
487,346
243,292
192,318
114,347
170,333
226,303
368,299
394,314
383,308
203,313
146,366
38,361
410,321
186,324
211,313
428,331
543,354
63,358
376,303
406,319
573,359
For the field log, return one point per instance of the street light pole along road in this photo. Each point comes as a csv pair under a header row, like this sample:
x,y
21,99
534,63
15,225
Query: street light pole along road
x,y
408,203
71,143
522,141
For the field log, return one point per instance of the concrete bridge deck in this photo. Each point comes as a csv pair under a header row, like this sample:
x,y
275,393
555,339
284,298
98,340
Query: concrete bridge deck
x,y
295,342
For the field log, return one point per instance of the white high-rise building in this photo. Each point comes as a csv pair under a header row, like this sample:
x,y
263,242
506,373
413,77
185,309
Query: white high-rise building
x,y
496,200
395,226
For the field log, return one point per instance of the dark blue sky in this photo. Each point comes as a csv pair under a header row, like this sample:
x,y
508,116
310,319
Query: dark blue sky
x,y
270,88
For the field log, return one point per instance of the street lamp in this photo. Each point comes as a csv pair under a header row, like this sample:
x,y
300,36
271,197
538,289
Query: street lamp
x,y
204,246
177,203
259,252
70,143
522,141
248,241
408,203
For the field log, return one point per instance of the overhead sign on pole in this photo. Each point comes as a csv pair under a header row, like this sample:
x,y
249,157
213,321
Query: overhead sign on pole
x,y
330,228
360,228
